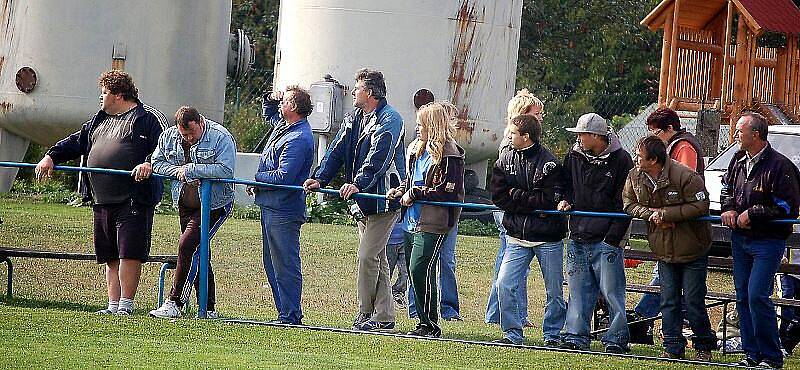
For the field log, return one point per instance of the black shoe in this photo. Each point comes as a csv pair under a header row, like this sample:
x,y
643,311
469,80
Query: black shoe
x,y
673,356
615,348
360,319
747,361
424,331
376,326
552,343
569,345
503,341
284,322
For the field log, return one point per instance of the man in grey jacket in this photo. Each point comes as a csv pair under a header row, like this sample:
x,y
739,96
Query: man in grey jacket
x,y
195,148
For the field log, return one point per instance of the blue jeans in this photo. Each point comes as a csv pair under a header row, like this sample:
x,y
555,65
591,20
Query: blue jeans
x,y
650,304
594,268
396,256
755,262
448,297
492,306
281,258
687,280
516,263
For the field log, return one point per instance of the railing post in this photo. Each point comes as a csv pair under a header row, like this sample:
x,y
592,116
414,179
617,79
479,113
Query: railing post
x,y
205,220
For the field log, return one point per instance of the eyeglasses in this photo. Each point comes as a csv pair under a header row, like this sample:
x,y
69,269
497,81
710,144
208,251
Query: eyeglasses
x,y
656,132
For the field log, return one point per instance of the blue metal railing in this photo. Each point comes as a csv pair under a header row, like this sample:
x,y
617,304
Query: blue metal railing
x,y
205,212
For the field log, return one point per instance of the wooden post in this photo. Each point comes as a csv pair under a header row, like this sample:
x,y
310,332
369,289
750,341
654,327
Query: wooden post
x,y
666,49
793,73
751,68
726,56
673,52
741,74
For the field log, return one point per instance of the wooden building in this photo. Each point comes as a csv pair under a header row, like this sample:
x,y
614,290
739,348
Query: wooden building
x,y
714,56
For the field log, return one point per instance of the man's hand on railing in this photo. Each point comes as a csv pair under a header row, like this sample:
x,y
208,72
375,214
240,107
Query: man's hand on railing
x,y
311,184
142,171
743,221
347,190
729,218
394,193
563,206
44,169
407,199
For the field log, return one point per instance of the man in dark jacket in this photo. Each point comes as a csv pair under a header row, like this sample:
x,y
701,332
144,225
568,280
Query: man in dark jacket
x,y
369,146
122,135
528,177
761,185
670,196
595,169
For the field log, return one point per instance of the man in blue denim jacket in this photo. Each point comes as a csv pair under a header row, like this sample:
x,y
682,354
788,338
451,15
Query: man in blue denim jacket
x,y
369,146
286,160
195,148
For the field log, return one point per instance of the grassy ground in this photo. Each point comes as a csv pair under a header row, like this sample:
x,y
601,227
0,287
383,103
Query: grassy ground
x,y
49,322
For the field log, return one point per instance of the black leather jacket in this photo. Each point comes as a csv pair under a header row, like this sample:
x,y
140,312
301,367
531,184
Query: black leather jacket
x,y
770,192
526,180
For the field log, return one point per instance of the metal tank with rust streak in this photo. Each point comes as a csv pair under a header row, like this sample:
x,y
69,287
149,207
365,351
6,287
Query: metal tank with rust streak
x,y
52,52
464,51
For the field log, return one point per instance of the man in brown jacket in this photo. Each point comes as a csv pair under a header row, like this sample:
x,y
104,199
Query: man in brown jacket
x,y
670,196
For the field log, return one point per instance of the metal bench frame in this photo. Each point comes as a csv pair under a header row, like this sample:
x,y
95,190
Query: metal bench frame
x,y
167,263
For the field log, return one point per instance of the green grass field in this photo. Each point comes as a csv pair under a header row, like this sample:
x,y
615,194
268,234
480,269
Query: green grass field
x,y
50,323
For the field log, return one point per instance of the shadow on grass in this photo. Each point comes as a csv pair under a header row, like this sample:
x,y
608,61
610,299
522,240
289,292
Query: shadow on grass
x,y
59,305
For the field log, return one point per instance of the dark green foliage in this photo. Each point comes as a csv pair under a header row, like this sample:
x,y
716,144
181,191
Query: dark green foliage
x,y
580,56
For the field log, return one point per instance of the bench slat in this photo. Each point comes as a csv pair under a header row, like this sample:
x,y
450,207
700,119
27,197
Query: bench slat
x,y
32,253
719,262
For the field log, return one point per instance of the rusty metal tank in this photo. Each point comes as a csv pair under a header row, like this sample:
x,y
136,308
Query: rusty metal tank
x,y
52,52
464,51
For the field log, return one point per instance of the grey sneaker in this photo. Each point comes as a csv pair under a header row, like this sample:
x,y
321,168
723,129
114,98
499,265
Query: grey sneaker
x,y
213,315
124,312
770,365
169,310
105,311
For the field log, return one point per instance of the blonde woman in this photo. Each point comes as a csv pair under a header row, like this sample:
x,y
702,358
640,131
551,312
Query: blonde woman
x,y
522,103
435,173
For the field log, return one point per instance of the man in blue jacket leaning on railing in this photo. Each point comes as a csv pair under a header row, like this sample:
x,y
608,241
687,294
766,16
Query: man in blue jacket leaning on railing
x,y
370,147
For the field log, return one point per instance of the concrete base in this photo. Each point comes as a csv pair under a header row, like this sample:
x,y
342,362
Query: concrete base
x,y
12,149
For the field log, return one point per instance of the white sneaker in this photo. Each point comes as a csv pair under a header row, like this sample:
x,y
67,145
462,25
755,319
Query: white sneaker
x,y
169,310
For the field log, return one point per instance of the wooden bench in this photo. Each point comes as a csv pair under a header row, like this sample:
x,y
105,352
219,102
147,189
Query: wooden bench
x,y
719,299
167,263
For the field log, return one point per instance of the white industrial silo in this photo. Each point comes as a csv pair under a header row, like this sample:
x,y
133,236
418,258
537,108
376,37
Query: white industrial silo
x,y
52,51
464,51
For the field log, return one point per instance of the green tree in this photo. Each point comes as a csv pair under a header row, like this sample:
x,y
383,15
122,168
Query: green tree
x,y
583,56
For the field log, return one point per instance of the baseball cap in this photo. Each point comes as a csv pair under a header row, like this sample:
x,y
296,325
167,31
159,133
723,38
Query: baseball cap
x,y
592,123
